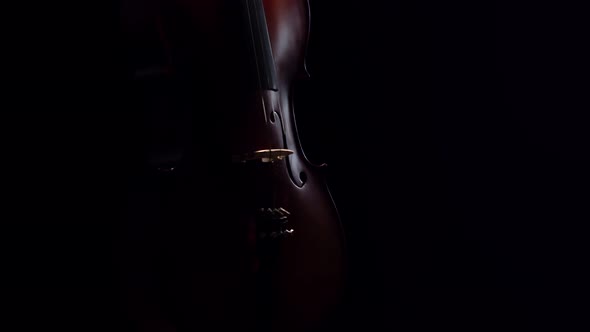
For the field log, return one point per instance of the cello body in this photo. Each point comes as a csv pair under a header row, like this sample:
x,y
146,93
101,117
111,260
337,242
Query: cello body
x,y
248,236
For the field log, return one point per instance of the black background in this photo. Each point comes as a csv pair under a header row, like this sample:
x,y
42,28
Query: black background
x,y
458,144
455,135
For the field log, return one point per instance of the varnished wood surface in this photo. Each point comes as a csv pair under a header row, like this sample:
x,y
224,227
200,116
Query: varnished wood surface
x,y
190,241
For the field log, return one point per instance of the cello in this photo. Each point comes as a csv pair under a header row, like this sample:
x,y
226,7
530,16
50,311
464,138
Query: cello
x,y
271,257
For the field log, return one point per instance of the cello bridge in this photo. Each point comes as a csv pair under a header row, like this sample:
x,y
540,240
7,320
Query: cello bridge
x,y
265,156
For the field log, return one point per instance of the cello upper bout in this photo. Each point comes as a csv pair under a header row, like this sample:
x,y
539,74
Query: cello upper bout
x,y
305,72
288,26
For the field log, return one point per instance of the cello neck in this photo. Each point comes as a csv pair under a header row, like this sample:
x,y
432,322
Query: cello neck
x,y
260,44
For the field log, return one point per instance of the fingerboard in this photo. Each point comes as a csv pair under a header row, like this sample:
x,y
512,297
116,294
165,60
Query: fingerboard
x,y
261,46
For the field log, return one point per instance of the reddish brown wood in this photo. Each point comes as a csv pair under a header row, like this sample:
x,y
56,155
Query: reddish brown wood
x,y
210,241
